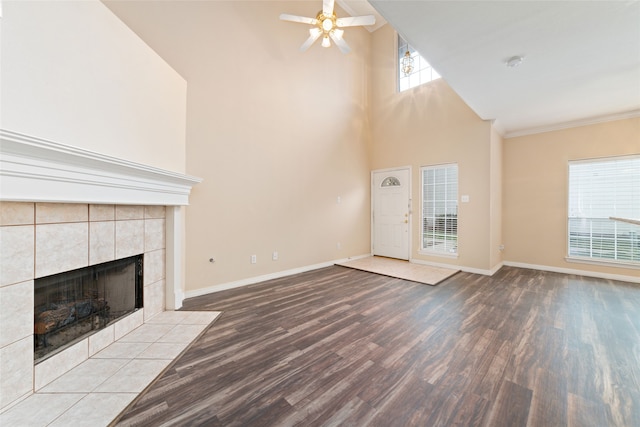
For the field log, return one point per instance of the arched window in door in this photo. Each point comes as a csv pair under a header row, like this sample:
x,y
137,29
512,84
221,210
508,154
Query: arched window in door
x,y
390,181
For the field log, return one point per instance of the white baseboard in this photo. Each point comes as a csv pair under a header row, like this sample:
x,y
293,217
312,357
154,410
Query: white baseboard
x,y
257,279
587,273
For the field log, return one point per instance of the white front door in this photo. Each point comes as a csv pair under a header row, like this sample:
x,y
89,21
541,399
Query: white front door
x,y
390,195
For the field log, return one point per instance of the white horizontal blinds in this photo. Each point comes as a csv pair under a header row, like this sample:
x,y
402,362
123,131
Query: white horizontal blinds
x,y
598,190
440,208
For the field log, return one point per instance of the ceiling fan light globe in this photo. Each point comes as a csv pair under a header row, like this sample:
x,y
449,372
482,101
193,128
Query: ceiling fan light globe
x,y
326,42
315,32
327,24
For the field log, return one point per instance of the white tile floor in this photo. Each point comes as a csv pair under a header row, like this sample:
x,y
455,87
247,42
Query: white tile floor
x,y
96,391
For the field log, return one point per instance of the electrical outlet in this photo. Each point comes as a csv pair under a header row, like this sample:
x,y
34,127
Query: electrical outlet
x,y
339,245
275,256
501,247
254,259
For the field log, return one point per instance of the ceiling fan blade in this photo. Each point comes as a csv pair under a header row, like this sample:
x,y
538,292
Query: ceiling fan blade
x,y
327,7
312,38
339,41
351,21
300,19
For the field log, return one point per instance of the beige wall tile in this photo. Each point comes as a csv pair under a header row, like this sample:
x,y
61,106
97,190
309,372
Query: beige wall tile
x,y
128,324
154,234
129,238
51,213
59,364
16,371
17,213
61,247
155,212
124,212
102,212
101,340
153,299
154,266
16,312
102,242
16,254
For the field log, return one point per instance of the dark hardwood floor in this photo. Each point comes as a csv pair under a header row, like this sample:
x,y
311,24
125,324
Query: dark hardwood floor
x,y
340,347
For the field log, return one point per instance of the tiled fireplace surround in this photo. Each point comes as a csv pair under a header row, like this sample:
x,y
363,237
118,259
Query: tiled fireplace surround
x,y
62,208
40,239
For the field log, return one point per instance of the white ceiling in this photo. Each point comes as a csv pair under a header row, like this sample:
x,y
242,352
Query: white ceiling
x,y
582,58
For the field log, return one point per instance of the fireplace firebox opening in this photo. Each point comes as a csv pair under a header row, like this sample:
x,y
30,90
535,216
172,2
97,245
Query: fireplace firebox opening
x,y
70,306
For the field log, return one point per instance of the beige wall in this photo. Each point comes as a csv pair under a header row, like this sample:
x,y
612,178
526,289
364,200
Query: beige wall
x,y
277,135
535,189
73,73
431,125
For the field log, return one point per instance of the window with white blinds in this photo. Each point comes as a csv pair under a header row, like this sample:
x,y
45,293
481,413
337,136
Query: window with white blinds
x,y
440,209
604,204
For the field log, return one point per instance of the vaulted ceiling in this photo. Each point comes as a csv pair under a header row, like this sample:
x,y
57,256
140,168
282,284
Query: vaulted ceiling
x,y
581,58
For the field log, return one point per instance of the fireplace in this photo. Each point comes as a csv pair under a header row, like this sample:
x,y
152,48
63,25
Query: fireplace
x,y
72,305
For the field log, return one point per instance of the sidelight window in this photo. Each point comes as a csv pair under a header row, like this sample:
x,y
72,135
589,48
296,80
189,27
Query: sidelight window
x,y
440,209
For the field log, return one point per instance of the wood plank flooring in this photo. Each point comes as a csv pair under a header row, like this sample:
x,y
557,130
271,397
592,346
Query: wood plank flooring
x,y
342,347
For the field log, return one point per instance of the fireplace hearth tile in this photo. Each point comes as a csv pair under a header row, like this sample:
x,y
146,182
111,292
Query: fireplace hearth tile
x,y
17,213
106,378
185,317
147,333
160,350
181,334
85,377
96,409
134,376
170,317
122,350
40,409
201,317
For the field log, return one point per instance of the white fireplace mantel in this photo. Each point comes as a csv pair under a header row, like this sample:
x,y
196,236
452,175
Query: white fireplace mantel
x,y
34,169
37,170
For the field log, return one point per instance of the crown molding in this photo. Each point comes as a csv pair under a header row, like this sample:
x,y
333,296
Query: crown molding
x,y
37,170
574,123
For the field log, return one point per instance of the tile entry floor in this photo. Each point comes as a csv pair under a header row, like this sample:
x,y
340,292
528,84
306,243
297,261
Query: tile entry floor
x,y
96,391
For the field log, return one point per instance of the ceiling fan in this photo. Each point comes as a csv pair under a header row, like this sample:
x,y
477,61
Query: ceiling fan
x,y
327,25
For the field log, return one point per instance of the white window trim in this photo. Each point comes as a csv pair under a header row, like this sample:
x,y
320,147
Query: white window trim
x,y
398,77
588,260
427,251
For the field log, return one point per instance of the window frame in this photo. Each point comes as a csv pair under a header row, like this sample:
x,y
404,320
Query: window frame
x,y
446,252
417,58
571,250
